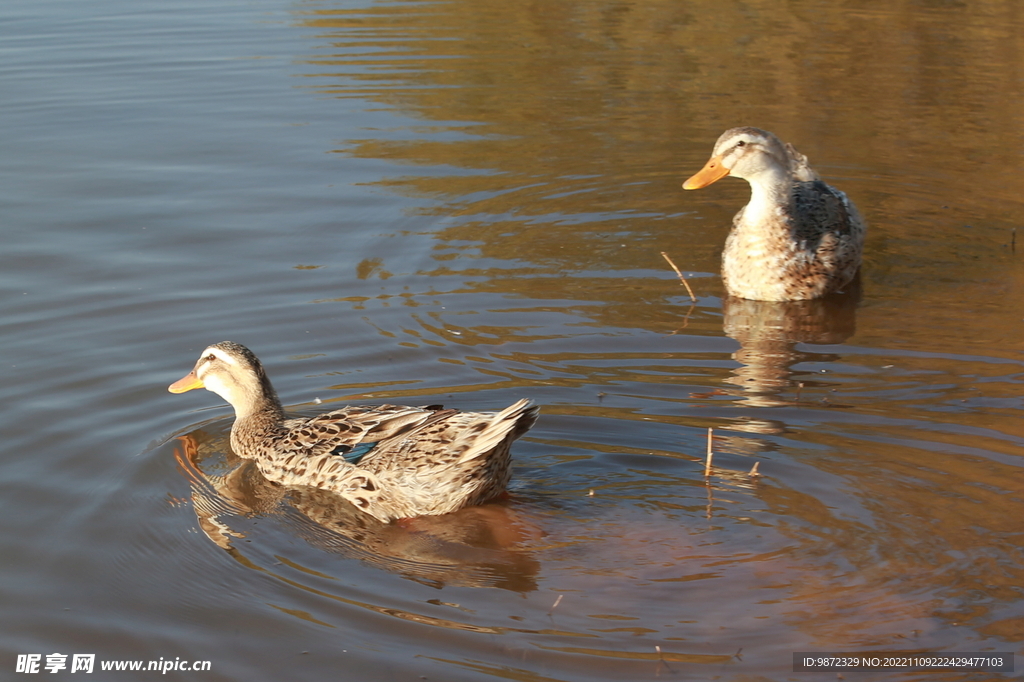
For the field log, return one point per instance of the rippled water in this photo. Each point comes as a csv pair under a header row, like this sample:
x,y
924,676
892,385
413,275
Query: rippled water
x,y
466,202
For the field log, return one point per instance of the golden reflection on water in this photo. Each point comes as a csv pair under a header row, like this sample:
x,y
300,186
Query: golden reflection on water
x,y
569,127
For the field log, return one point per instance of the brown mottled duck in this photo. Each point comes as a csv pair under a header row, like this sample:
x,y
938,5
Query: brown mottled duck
x,y
798,238
391,461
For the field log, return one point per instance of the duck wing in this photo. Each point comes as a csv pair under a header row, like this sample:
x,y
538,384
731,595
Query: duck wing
x,y
819,210
453,439
353,431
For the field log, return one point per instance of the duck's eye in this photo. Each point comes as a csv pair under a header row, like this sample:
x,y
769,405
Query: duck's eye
x,y
211,357
741,143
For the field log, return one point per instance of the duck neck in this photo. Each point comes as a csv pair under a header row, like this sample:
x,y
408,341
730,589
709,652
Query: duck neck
x,y
769,191
256,417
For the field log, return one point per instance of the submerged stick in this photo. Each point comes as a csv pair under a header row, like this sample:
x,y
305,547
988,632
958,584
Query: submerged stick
x,y
557,602
753,471
662,662
709,510
681,278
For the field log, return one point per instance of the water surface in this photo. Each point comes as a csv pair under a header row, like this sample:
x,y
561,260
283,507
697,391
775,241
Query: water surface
x,y
466,202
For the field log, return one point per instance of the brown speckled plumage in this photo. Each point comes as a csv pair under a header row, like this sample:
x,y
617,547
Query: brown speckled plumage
x,y
420,460
798,238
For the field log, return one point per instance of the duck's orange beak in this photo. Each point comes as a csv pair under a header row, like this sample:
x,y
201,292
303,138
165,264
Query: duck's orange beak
x,y
712,171
186,383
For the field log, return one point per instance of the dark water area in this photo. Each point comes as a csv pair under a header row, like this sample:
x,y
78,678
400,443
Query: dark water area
x,y
456,202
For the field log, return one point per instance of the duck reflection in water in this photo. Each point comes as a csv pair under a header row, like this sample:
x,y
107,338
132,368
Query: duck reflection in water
x,y
768,333
480,546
